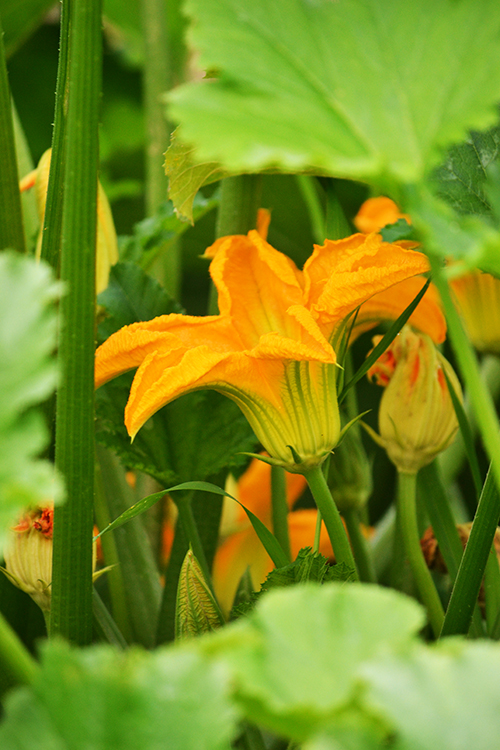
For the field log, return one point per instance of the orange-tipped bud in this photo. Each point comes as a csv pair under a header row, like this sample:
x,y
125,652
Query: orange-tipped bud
x,y
416,417
107,247
28,557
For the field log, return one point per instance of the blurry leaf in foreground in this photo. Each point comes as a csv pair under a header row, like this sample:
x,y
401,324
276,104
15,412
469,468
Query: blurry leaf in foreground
x,y
101,698
446,696
336,85
27,378
296,659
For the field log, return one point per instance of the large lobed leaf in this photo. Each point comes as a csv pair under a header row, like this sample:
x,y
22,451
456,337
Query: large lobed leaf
x,y
360,88
27,378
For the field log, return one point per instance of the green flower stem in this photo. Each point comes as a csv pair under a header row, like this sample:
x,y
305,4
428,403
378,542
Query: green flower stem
x,y
317,532
360,548
280,508
333,522
11,217
71,612
407,484
337,226
52,223
15,660
444,527
186,518
492,590
471,571
239,202
114,576
137,572
481,401
308,188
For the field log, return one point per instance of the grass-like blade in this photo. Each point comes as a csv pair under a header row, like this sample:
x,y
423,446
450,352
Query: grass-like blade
x,y
271,544
384,342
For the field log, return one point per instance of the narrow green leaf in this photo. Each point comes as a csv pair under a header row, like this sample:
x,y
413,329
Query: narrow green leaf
x,y
384,342
468,582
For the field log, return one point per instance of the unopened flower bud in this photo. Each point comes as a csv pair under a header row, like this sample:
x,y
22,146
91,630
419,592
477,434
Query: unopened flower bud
x,y
416,416
106,242
196,611
349,474
28,556
477,296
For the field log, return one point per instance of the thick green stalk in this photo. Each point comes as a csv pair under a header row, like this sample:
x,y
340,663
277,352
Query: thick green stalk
x,y
337,226
360,548
16,662
11,217
280,508
333,522
407,484
471,571
71,614
308,188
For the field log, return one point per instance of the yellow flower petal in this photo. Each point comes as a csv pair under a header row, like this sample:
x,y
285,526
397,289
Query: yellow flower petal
x,y
477,296
269,348
343,274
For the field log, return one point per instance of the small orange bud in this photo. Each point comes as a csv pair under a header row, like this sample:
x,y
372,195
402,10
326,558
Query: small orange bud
x,y
416,416
28,557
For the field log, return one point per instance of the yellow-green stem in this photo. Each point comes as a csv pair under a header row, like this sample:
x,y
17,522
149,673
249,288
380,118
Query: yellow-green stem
x,y
360,548
407,485
331,516
280,508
